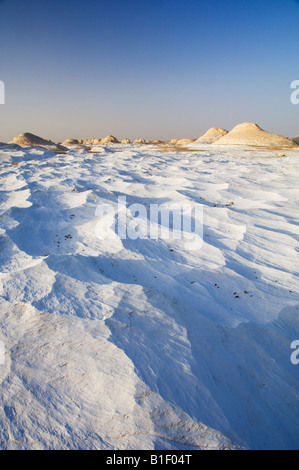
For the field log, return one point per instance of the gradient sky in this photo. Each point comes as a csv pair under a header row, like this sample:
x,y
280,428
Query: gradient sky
x,y
147,68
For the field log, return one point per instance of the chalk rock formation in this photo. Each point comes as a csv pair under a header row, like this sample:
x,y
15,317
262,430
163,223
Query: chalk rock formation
x,y
70,142
185,141
251,134
211,136
109,140
31,140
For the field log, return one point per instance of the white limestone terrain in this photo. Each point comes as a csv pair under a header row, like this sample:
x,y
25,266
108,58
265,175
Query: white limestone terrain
x,y
143,344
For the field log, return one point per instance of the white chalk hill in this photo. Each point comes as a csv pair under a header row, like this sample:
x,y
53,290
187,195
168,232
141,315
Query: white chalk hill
x,y
30,140
212,135
251,134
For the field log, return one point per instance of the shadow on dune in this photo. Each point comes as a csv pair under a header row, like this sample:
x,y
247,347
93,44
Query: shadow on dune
x,y
204,369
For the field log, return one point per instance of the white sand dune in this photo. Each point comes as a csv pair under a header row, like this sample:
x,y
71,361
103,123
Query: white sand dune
x,y
251,134
30,140
211,136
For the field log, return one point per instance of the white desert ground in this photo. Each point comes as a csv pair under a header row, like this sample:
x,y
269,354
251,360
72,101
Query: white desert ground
x,y
144,344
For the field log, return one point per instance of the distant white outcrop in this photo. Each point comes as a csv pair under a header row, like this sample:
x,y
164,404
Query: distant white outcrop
x,y
31,140
110,139
212,135
296,139
249,133
70,142
185,141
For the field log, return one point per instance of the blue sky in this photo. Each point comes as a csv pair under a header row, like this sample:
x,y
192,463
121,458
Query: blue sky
x,y
152,69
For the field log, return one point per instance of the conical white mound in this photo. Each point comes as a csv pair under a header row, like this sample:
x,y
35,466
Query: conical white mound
x,y
31,140
110,139
251,134
211,136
